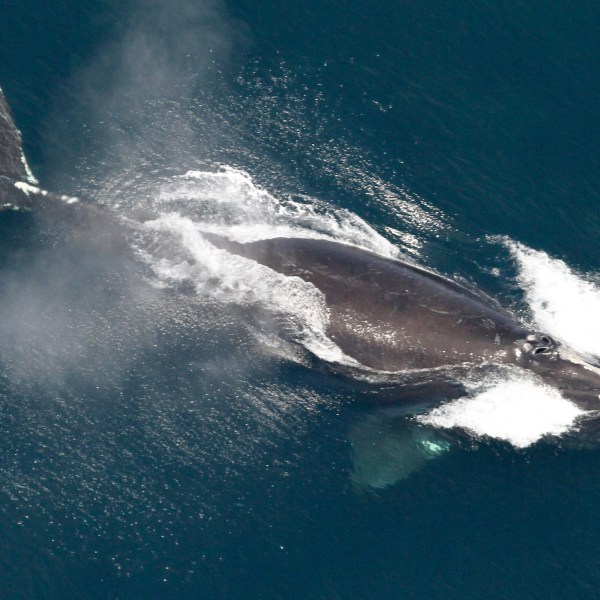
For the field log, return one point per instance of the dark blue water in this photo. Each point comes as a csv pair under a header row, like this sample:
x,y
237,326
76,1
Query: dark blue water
x,y
151,446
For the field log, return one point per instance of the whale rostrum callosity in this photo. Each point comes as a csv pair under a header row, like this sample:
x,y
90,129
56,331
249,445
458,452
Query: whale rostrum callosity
x,y
385,314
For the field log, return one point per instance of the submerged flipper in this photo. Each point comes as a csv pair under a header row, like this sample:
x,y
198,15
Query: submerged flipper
x,y
12,160
388,448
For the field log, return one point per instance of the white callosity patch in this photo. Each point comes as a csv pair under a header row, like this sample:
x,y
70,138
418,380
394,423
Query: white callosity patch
x,y
519,409
563,303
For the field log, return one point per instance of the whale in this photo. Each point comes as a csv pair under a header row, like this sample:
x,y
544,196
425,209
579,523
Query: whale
x,y
399,318
396,321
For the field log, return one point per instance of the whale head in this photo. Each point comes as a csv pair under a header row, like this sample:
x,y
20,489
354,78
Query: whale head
x,y
575,376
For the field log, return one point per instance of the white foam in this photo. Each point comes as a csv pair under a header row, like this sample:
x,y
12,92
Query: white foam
x,y
183,254
228,202
29,189
30,176
563,303
518,409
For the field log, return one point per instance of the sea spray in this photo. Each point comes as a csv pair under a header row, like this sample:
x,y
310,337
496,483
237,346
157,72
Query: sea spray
x,y
516,407
563,303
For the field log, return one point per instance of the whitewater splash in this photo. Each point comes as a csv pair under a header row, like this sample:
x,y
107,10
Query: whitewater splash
x,y
228,203
562,302
520,409
229,278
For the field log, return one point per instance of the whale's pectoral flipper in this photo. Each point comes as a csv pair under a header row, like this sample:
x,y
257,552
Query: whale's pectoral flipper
x,y
12,160
387,448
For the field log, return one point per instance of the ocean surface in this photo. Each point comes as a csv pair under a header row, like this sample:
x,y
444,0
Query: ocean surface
x,y
169,430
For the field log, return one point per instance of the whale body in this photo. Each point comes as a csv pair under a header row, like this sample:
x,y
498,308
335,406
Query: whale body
x,y
393,316
387,315
396,317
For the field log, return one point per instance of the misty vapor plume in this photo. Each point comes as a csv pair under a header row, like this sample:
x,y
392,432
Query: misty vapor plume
x,y
130,105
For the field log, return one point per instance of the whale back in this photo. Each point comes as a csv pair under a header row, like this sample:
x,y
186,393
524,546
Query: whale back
x,y
390,315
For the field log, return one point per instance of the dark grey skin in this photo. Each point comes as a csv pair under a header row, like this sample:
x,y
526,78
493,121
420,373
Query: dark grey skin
x,y
392,316
18,190
389,316
12,165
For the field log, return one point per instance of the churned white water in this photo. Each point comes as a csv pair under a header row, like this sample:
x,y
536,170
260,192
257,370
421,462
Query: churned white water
x,y
562,302
228,203
519,409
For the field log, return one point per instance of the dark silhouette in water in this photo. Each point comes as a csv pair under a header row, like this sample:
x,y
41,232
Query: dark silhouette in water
x,y
387,315
396,317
